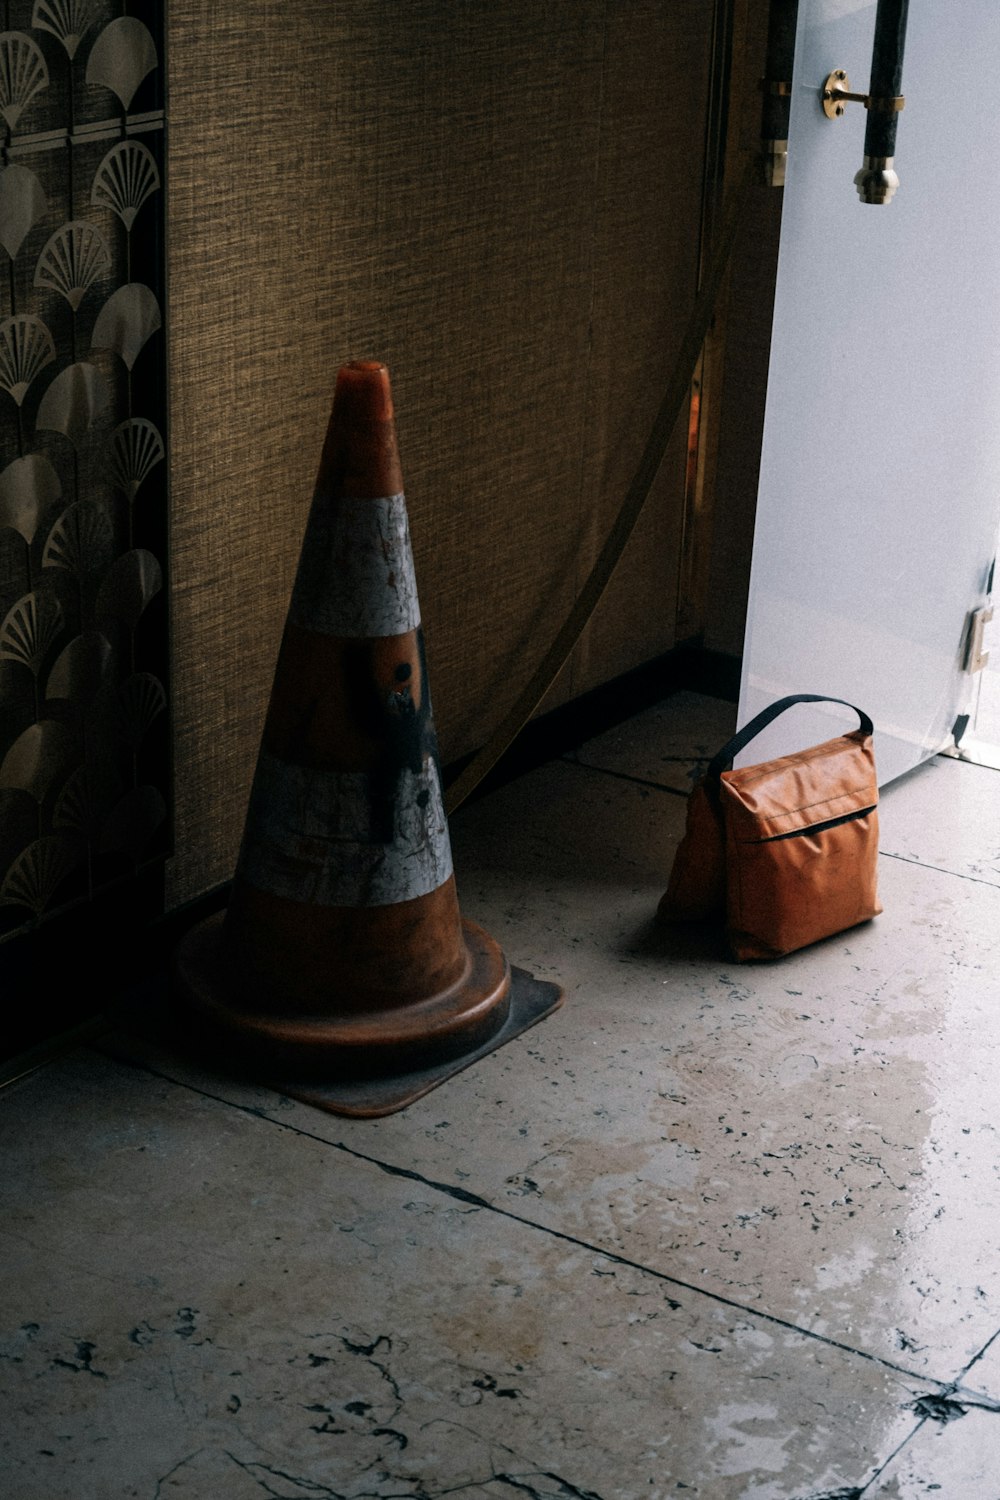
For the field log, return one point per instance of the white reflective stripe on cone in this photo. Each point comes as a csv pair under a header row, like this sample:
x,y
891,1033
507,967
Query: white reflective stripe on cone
x,y
355,576
313,836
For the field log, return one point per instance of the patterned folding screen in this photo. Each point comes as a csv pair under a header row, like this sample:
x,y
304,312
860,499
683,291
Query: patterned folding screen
x,y
84,758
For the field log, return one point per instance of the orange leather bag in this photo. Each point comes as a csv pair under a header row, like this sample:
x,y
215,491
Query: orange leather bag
x,y
788,849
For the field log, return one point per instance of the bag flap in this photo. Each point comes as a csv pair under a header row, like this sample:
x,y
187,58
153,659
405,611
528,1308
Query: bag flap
x,y
826,781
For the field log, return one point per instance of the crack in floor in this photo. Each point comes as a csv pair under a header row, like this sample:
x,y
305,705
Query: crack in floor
x,y
657,786
907,859
463,1195
523,1482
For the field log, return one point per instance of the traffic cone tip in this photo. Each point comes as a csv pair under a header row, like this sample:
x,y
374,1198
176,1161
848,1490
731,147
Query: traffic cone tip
x,y
363,394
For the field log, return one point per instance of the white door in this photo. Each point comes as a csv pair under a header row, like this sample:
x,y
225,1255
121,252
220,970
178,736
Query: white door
x,y
879,499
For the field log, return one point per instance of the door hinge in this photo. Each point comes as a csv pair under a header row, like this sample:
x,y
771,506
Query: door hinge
x,y
975,656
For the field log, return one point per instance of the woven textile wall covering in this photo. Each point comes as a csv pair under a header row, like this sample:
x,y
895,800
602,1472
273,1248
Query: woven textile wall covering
x,y
502,202
84,753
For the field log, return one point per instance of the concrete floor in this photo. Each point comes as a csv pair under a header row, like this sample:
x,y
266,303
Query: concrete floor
x,y
711,1230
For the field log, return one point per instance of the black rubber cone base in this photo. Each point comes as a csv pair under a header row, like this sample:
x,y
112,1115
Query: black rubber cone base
x,y
531,1000
207,1017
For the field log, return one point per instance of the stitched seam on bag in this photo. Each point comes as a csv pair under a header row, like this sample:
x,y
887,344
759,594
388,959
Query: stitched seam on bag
x,y
851,791
808,828
743,812
809,807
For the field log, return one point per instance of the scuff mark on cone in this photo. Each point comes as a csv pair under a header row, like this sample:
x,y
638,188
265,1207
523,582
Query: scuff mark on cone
x,y
317,836
365,546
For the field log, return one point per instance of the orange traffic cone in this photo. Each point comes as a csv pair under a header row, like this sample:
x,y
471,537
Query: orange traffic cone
x,y
343,965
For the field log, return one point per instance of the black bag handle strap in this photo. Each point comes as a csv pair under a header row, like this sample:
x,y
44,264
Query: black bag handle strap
x,y
742,737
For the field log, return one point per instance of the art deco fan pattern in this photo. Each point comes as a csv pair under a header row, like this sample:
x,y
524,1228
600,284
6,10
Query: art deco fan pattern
x,y
83,700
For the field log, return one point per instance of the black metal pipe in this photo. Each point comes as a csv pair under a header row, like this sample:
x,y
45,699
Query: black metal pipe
x,y
877,181
777,87
887,77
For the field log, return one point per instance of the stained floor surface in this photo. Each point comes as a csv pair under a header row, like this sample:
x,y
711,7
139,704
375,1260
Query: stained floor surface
x,y
712,1230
